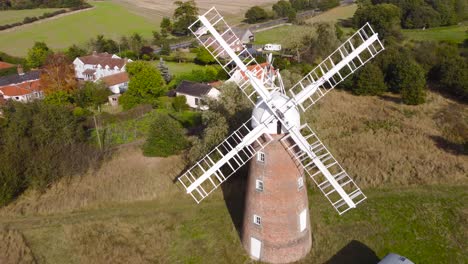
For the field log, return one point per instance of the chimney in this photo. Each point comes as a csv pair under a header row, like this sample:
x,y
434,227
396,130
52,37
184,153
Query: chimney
x,y
20,69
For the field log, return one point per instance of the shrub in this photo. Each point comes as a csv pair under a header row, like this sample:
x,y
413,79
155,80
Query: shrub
x,y
413,83
180,103
166,137
370,81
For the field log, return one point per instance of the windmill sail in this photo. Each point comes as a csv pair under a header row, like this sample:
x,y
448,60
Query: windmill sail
x,y
356,51
310,153
225,159
228,51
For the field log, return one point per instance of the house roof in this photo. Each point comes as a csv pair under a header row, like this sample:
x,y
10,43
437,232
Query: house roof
x,y
103,59
21,88
259,68
5,65
193,89
240,32
16,78
114,79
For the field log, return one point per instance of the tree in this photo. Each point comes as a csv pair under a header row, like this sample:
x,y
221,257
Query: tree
x,y
74,52
157,38
166,26
37,55
369,81
165,49
320,45
164,70
146,84
58,75
292,16
91,94
180,103
101,44
166,138
204,57
422,16
452,73
384,18
255,14
136,43
282,8
184,15
411,82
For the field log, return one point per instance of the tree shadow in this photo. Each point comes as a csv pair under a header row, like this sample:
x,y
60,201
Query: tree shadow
x,y
449,146
354,252
234,192
392,99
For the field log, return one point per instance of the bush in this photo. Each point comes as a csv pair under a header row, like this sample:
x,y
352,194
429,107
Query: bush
x,y
166,138
369,81
413,83
180,103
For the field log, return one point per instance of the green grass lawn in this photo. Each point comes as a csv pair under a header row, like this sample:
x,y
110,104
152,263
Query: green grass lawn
x,y
13,16
425,224
455,34
107,18
176,68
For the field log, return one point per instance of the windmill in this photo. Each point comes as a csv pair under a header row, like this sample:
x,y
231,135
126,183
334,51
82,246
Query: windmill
x,y
276,224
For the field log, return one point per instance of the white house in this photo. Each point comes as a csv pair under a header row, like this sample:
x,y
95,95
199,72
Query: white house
x,y
117,83
98,65
195,93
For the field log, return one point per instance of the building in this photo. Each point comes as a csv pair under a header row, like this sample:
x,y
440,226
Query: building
x,y
117,83
97,65
245,35
21,87
196,93
238,76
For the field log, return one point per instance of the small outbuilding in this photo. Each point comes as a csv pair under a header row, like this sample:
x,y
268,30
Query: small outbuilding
x,y
195,93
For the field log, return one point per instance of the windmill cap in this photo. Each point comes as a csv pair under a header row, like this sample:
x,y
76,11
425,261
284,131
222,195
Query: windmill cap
x,y
261,113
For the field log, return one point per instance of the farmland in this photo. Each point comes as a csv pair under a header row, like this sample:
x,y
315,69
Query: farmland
x,y
335,14
13,16
110,19
130,210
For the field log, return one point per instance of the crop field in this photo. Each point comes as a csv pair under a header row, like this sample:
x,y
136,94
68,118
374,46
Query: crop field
x,y
335,14
107,18
130,211
13,16
454,34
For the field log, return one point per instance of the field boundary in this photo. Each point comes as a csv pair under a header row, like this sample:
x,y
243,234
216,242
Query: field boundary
x,y
46,19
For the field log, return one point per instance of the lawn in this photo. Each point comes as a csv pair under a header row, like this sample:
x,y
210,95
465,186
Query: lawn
x,y
13,16
108,18
455,34
176,68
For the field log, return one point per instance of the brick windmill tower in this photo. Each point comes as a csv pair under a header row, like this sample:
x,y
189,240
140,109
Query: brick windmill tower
x,y
280,149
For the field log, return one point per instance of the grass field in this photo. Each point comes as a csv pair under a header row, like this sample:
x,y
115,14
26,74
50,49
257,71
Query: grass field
x,y
13,16
110,19
289,34
176,68
130,211
455,34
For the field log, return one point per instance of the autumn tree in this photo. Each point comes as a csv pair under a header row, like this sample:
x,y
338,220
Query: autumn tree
x,y
58,75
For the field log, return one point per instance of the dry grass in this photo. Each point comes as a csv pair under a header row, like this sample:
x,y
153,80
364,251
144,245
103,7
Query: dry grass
x,y
335,14
128,176
13,248
382,142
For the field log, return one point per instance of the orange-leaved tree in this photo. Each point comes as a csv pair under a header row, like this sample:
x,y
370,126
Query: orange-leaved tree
x,y
58,75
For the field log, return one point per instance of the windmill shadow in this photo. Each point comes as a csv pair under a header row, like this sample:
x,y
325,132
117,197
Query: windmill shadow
x,y
234,192
354,252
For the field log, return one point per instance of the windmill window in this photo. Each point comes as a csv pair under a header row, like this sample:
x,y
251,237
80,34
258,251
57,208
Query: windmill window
x,y
257,220
300,182
261,157
259,185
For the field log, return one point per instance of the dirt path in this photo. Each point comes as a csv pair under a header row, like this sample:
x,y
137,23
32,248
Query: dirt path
x,y
46,19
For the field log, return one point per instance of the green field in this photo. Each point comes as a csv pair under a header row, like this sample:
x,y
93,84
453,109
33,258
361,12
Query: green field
x,y
107,18
13,16
455,34
176,68
288,34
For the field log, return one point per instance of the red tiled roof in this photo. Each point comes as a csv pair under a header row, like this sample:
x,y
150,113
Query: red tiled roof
x,y
21,89
4,65
114,79
257,67
103,59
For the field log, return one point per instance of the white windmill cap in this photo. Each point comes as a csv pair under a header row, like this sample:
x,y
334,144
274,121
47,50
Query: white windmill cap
x,y
261,113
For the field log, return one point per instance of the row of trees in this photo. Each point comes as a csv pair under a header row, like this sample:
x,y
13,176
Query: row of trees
x,y
412,14
30,4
